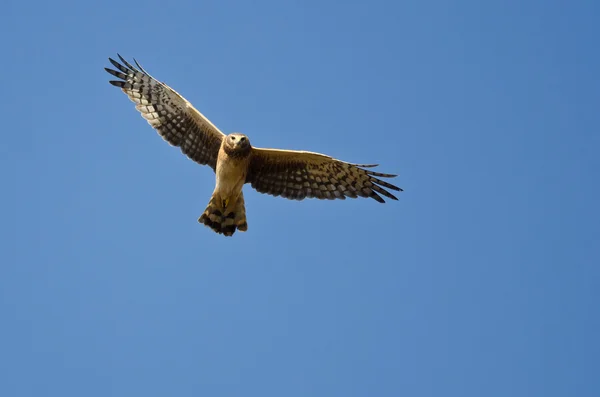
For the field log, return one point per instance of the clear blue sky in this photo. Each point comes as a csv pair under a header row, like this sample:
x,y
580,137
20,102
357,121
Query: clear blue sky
x,y
482,280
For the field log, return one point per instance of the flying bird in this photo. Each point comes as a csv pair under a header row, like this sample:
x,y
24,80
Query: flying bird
x,y
287,173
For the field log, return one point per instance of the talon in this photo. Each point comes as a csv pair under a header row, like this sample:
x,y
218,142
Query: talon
x,y
225,202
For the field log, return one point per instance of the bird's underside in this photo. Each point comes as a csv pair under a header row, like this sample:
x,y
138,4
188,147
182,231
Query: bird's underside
x,y
287,173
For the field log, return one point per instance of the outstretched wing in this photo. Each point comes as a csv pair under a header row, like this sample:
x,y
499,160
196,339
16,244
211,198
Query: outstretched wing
x,y
297,175
175,119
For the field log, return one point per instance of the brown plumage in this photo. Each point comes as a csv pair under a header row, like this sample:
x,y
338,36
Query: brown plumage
x,y
225,220
287,173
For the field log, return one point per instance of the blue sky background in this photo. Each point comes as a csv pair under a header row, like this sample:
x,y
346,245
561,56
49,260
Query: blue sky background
x,y
482,280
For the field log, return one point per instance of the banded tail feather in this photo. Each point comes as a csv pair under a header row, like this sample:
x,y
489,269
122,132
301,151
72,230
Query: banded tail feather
x,y
225,219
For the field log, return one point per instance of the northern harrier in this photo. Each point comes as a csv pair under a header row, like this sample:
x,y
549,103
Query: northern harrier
x,y
287,173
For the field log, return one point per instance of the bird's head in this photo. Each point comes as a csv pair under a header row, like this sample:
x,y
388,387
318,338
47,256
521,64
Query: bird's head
x,y
237,141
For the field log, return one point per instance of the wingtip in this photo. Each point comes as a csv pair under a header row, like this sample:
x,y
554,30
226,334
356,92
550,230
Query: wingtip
x,y
380,174
390,195
377,197
125,62
139,66
120,58
366,165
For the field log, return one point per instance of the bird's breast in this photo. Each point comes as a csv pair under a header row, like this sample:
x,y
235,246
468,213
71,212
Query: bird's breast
x,y
231,175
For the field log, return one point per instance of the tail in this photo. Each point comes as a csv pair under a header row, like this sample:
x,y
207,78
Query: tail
x,y
225,220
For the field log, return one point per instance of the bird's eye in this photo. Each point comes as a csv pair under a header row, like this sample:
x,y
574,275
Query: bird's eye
x,y
243,138
233,138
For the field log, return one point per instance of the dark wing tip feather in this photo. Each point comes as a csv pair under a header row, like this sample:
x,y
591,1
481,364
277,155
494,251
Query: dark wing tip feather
x,y
118,66
385,184
377,197
140,66
126,74
380,186
365,165
380,174
116,74
130,66
384,192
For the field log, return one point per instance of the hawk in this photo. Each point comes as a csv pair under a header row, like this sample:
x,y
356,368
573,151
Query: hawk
x,y
287,173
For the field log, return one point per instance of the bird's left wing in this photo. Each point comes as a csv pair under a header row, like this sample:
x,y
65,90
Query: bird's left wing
x,y
175,119
297,175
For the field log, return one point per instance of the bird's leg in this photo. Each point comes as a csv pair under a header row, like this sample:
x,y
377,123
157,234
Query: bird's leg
x,y
225,203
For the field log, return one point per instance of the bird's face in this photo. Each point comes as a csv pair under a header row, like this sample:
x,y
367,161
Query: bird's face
x,y
238,141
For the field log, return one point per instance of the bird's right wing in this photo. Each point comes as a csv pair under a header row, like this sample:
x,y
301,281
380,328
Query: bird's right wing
x,y
175,119
298,175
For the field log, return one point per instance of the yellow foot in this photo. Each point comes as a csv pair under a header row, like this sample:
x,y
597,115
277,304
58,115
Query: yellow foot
x,y
225,202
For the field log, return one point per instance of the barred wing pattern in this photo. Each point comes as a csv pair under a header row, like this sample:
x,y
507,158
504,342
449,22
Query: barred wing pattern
x,y
175,119
297,175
